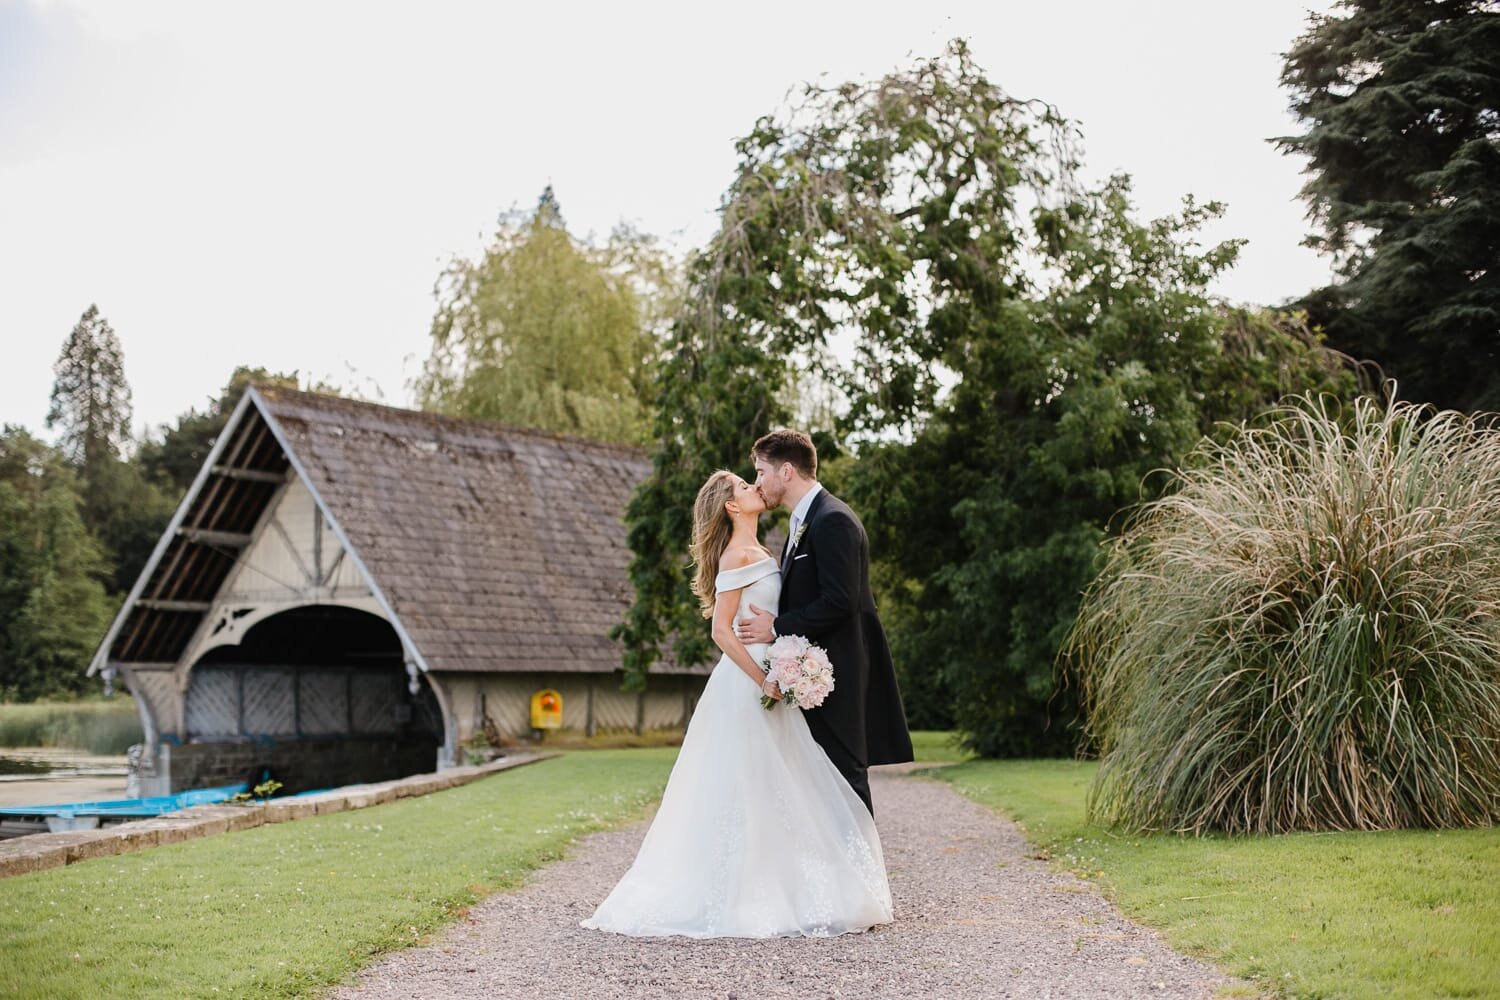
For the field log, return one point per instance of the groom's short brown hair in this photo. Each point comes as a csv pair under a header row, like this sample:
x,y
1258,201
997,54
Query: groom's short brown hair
x,y
788,446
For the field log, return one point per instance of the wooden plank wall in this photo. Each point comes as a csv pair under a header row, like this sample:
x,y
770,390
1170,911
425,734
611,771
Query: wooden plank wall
x,y
229,701
506,699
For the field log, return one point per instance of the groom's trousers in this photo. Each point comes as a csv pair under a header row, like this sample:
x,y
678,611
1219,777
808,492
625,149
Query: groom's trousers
x,y
853,771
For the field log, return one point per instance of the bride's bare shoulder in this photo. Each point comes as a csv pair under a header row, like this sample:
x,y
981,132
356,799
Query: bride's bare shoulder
x,y
740,556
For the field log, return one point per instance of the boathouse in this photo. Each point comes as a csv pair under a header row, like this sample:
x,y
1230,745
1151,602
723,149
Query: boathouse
x,y
350,591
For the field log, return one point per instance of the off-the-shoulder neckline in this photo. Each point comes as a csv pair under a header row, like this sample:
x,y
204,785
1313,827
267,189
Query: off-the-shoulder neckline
x,y
741,569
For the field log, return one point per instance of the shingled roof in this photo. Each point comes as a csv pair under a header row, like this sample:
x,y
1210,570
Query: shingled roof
x,y
494,548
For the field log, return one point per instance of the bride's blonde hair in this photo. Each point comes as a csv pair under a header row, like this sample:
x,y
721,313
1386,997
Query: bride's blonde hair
x,y
711,530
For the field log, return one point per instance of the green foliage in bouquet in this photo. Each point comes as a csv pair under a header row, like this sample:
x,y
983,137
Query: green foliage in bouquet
x,y
1305,633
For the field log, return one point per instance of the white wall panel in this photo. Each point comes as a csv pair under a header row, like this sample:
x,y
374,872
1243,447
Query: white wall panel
x,y
290,558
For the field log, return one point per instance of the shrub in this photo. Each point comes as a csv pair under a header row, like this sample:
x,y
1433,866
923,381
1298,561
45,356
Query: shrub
x,y
1305,632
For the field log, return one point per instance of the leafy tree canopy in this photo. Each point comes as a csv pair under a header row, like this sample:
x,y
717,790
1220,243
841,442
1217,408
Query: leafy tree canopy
x,y
863,226
173,459
548,331
53,607
1401,102
1011,355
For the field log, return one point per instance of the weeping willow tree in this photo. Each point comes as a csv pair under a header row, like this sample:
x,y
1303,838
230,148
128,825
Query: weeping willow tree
x,y
546,330
866,226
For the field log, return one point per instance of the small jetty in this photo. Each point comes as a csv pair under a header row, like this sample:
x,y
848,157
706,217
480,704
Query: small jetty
x,y
61,817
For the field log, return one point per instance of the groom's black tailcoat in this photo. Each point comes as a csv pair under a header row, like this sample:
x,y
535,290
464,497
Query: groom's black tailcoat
x,y
825,597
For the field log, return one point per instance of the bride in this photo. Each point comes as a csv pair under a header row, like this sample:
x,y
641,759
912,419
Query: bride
x,y
758,834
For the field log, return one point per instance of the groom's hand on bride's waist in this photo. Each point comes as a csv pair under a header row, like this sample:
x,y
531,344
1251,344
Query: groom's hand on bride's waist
x,y
759,627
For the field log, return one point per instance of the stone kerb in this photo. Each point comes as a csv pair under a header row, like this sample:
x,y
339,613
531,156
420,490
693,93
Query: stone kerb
x,y
40,851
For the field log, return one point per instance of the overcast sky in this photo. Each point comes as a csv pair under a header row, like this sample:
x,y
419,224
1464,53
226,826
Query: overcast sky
x,y
279,184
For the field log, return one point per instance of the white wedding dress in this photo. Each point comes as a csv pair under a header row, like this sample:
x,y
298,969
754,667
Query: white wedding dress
x,y
758,834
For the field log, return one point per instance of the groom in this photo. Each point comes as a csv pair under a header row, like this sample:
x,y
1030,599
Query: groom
x,y
825,597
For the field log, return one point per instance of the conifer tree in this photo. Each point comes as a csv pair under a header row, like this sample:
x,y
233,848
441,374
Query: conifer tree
x,y
91,398
91,407
1401,103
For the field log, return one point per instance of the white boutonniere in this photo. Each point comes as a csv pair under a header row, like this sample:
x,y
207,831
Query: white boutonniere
x,y
798,536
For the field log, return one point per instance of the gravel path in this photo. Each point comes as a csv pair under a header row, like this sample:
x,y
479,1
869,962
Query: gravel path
x,y
975,917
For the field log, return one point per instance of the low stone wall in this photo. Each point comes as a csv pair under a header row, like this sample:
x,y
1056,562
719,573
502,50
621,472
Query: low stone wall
x,y
41,851
300,765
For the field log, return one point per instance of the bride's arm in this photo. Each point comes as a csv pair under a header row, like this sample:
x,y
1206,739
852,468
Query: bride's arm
x,y
726,606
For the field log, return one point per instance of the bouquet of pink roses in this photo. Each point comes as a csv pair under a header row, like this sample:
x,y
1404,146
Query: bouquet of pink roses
x,y
800,669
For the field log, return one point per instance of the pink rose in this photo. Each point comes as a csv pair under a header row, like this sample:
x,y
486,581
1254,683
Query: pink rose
x,y
800,669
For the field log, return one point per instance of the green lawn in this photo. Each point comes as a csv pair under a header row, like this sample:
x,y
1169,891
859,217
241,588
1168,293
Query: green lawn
x,y
937,746
282,910
1410,914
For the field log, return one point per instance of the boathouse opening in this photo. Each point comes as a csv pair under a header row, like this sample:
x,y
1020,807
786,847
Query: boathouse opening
x,y
318,695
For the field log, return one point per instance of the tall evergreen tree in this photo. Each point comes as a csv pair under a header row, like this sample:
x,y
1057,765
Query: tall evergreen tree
x,y
91,406
1401,100
91,398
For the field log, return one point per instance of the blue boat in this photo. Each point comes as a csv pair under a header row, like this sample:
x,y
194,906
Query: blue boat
x,y
89,815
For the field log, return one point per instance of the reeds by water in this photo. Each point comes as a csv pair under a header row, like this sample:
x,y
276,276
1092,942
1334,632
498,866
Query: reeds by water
x,y
100,727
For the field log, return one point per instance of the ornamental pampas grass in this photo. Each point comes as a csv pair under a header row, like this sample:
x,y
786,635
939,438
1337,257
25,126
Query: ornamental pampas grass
x,y
1305,634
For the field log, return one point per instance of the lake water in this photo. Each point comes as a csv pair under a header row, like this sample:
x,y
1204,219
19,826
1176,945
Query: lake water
x,y
38,775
